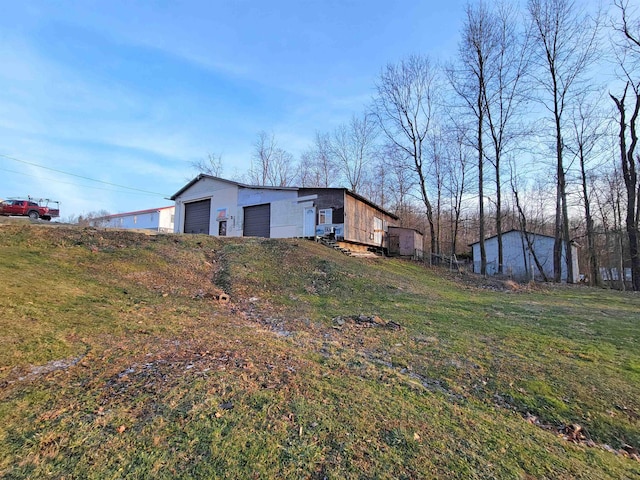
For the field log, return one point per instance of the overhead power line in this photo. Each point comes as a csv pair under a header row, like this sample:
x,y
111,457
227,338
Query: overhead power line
x,y
82,176
92,187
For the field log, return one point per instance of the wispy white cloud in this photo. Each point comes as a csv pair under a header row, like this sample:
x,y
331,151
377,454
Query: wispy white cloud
x,y
133,92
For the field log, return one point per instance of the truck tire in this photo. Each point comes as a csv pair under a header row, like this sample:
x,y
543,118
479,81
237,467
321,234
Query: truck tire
x,y
47,218
34,215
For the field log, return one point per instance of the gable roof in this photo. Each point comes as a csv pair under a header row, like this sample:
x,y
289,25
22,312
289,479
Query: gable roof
x,y
244,185
137,212
370,203
230,182
397,227
518,231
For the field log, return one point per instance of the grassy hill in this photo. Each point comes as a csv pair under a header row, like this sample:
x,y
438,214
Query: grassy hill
x,y
117,360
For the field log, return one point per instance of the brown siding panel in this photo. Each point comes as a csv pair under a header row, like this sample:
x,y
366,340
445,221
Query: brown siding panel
x,y
332,198
357,215
359,222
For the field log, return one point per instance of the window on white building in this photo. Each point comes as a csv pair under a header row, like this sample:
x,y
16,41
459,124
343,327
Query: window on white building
x,y
325,216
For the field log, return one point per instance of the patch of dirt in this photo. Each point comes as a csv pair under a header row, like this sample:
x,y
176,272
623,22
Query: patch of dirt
x,y
224,369
575,433
35,371
365,321
473,281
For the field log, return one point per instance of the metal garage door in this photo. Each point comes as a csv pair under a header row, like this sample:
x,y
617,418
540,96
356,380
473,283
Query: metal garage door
x,y
197,216
257,221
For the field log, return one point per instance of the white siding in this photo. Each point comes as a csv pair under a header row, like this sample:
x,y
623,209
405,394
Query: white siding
x,y
230,199
287,218
166,219
286,212
158,220
517,259
223,196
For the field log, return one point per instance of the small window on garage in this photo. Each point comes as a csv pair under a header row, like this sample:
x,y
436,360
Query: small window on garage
x,y
325,216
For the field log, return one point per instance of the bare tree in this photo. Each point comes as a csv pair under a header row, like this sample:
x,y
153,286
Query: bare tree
x,y
211,166
353,149
377,182
317,167
564,39
629,63
404,108
283,173
437,172
98,218
505,94
608,193
469,80
306,173
587,130
271,165
261,162
628,139
457,169
524,226
401,182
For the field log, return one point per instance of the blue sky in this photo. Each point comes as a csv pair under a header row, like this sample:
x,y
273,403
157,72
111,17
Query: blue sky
x,y
130,93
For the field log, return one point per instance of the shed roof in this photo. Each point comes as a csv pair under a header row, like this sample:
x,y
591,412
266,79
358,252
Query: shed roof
x,y
517,231
370,203
231,182
244,185
406,228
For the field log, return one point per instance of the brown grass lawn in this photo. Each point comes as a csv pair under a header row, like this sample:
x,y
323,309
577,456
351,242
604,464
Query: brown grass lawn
x,y
117,360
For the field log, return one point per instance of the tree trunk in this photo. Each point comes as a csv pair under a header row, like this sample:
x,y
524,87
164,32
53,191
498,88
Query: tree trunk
x,y
594,274
483,252
557,244
568,251
630,180
499,214
523,228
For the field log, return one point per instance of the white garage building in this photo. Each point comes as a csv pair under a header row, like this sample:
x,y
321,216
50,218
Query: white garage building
x,y
216,206
518,260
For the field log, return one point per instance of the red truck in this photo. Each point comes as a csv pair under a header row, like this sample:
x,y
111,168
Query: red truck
x,y
30,208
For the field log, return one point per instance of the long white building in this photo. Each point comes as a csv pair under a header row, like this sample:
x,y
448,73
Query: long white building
x,y
156,219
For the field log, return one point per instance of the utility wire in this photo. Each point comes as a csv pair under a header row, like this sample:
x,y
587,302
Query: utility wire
x,y
81,176
78,184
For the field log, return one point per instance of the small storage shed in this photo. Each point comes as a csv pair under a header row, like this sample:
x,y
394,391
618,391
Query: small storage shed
x,y
518,259
406,242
